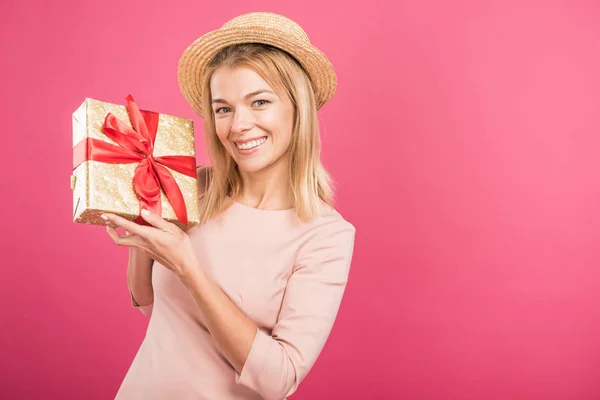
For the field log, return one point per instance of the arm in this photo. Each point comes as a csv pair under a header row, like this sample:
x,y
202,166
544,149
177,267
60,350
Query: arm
x,y
139,268
273,365
139,280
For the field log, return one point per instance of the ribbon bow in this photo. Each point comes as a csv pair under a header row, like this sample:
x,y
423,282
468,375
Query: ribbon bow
x,y
136,145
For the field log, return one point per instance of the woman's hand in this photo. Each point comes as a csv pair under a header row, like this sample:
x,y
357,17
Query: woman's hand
x,y
163,241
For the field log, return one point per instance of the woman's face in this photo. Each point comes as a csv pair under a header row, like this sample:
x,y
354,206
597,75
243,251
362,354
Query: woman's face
x,y
252,121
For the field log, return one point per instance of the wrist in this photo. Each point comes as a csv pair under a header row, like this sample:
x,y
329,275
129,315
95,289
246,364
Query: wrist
x,y
191,275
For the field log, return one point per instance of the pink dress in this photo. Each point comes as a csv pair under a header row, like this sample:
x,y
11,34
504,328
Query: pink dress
x,y
286,276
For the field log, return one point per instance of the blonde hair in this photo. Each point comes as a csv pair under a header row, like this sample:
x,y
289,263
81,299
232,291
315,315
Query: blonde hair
x,y
310,182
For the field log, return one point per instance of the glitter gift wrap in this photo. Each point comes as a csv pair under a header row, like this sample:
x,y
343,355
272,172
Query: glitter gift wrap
x,y
138,170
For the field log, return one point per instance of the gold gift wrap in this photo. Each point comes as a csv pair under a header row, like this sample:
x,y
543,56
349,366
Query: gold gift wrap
x,y
100,187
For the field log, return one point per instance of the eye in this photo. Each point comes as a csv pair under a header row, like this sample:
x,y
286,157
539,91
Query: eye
x,y
263,102
218,110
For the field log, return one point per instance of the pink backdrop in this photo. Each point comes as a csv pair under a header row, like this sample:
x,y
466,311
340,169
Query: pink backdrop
x,y
465,140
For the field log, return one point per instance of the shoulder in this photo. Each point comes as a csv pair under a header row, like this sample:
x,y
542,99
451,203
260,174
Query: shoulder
x,y
327,246
330,229
330,220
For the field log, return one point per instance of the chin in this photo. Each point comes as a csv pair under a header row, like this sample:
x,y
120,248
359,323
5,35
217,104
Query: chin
x,y
252,167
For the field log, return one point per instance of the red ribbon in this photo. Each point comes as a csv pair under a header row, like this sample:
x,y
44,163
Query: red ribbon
x,y
136,146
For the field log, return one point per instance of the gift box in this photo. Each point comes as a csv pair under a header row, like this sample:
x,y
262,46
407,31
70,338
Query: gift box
x,y
126,159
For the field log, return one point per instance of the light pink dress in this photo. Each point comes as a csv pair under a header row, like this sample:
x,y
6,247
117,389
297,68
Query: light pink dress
x,y
286,276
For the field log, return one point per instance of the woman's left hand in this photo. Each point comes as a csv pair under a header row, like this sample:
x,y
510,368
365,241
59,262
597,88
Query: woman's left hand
x,y
163,241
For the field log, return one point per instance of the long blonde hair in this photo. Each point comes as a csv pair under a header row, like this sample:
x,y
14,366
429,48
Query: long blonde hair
x,y
310,182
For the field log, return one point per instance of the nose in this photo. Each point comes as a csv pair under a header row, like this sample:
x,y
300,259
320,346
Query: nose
x,y
242,121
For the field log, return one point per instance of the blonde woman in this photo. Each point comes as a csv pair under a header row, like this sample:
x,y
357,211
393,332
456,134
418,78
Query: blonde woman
x,y
242,304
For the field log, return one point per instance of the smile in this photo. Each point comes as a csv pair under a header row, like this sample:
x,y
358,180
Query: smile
x,y
251,145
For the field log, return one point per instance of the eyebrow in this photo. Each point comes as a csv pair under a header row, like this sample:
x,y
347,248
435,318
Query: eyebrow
x,y
246,97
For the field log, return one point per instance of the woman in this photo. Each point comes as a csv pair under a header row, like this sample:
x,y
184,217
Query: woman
x,y
241,305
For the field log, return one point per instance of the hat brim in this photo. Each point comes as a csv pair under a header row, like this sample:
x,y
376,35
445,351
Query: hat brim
x,y
199,54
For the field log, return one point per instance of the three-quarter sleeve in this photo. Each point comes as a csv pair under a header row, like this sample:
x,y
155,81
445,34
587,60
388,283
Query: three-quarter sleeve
x,y
146,310
277,363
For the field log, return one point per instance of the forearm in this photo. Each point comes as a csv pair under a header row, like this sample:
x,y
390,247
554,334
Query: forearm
x,y
231,329
139,276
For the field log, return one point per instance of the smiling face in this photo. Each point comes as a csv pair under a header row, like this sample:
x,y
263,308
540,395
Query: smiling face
x,y
252,121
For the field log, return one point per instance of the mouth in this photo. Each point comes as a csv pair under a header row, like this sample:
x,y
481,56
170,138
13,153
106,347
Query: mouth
x,y
251,145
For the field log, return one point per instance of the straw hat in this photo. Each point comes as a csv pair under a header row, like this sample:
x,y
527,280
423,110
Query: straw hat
x,y
259,27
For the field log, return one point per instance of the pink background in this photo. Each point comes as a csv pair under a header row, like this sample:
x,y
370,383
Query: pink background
x,y
465,140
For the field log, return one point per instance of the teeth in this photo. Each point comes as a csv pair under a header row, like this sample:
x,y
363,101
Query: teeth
x,y
251,144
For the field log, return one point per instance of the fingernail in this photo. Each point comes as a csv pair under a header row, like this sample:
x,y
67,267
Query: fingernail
x,y
104,217
145,212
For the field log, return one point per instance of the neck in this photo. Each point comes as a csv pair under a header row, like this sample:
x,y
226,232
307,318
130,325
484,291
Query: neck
x,y
268,188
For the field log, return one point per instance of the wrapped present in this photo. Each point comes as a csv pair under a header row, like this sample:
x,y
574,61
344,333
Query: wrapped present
x,y
126,159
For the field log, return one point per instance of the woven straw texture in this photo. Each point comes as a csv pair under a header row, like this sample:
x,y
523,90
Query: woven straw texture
x,y
260,27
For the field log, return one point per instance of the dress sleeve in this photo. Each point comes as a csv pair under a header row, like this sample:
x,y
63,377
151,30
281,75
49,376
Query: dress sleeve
x,y
278,362
146,310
